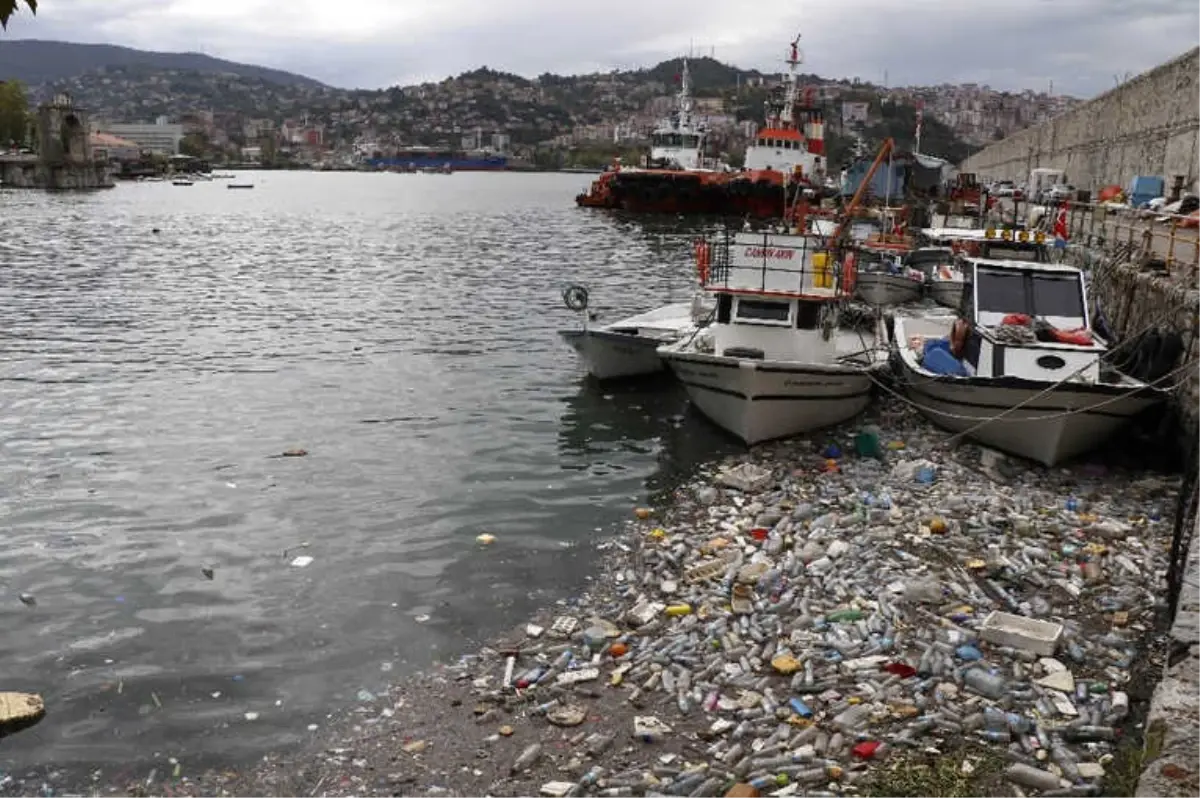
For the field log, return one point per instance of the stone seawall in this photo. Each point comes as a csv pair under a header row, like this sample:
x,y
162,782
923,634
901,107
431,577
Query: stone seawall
x,y
28,172
1133,299
1146,126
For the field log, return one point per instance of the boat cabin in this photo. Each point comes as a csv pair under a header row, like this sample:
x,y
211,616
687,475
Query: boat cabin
x,y
927,259
1028,320
784,150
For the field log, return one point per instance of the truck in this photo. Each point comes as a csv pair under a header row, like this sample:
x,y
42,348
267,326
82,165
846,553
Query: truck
x,y
1042,181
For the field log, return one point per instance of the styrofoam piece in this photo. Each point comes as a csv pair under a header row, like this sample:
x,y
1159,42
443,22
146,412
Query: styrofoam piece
x,y
1005,629
575,677
564,626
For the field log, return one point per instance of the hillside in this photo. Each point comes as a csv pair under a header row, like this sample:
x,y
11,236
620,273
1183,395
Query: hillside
x,y
34,61
241,101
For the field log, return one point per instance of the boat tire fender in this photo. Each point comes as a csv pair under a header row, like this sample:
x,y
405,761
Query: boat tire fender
x,y
959,334
575,297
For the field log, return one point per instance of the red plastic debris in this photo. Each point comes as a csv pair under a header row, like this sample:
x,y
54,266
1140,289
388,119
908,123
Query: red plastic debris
x,y
901,669
866,749
759,533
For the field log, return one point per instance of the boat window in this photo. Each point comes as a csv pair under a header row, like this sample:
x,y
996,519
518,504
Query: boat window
x,y
764,310
1001,292
1000,252
808,315
1037,295
691,142
1057,295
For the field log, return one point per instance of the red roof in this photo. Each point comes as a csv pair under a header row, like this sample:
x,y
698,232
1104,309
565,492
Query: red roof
x,y
780,133
109,140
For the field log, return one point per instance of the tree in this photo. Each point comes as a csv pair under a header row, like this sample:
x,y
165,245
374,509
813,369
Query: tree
x,y
9,7
195,145
14,113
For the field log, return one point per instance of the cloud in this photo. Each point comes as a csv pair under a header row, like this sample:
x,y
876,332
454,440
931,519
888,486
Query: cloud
x,y
1080,45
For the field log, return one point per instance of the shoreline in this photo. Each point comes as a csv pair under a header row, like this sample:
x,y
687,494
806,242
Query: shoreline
x,y
906,562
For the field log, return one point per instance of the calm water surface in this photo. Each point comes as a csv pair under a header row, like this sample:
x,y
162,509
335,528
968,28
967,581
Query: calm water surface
x,y
401,328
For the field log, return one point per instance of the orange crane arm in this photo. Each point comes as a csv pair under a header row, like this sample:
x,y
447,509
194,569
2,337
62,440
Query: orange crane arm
x,y
848,212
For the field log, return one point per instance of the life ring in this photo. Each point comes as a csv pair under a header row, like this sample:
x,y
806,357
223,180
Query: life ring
x,y
575,297
703,260
958,337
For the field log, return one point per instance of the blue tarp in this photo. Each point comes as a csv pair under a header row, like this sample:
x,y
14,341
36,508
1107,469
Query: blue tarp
x,y
937,358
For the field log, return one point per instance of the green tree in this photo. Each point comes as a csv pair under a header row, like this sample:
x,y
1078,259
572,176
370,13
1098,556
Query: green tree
x,y
195,145
14,113
9,7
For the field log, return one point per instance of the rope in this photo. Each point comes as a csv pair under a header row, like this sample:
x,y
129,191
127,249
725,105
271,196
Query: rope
x,y
1050,388
1048,417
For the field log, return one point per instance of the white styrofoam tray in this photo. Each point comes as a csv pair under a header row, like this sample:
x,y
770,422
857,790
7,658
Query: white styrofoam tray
x,y
1005,629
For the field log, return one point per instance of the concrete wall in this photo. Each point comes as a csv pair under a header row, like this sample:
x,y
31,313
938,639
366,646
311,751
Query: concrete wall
x,y
1146,126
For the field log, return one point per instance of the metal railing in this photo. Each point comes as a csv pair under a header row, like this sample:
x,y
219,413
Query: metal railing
x,y
1175,241
725,273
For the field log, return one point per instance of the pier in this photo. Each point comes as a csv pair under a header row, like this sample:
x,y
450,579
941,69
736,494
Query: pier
x,y
65,160
1145,268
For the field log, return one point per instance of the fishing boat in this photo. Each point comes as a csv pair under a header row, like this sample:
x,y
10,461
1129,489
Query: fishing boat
x,y
1020,369
883,277
775,361
946,280
239,185
629,347
182,183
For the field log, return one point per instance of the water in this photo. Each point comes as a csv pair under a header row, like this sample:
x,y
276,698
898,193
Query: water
x,y
401,328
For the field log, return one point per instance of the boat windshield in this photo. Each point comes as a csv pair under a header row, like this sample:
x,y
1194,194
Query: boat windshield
x,y
688,141
1014,252
1040,295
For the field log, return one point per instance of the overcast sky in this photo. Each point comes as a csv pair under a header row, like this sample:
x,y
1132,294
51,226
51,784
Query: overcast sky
x,y
1080,45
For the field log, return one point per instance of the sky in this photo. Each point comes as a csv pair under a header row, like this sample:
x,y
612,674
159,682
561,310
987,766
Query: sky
x,y
1083,46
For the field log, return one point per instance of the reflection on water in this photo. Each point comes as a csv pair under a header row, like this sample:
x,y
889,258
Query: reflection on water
x,y
401,328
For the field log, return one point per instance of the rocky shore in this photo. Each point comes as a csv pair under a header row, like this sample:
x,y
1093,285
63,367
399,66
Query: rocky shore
x,y
863,612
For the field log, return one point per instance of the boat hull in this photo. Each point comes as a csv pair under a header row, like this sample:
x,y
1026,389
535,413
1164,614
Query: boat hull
x,y
886,289
1049,429
612,355
760,401
947,293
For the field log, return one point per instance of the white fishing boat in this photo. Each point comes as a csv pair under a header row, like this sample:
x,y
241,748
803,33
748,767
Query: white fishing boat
x,y
946,279
881,276
629,347
1021,369
774,362
946,284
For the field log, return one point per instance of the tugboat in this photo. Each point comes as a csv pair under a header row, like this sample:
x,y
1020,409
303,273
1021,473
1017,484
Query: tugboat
x,y
787,157
677,178
789,151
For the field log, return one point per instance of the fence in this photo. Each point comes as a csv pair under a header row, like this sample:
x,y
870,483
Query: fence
x,y
1175,242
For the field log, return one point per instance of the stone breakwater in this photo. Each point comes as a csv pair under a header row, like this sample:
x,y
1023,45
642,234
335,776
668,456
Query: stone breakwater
x,y
802,619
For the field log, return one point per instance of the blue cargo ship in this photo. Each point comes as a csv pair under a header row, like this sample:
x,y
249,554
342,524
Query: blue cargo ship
x,y
417,158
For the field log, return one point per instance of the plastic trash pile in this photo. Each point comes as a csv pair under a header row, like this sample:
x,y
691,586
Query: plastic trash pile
x,y
804,616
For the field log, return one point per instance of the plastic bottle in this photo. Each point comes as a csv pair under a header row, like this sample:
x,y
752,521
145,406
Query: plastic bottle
x,y
986,684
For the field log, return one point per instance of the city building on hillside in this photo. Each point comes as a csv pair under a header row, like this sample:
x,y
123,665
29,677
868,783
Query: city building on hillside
x,y
161,137
107,147
855,113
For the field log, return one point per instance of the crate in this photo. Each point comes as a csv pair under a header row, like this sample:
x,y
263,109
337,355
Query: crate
x,y
1005,629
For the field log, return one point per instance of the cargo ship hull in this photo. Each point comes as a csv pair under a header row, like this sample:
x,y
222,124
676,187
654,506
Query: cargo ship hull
x,y
756,194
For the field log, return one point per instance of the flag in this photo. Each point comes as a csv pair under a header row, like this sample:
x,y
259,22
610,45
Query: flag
x,y
1060,223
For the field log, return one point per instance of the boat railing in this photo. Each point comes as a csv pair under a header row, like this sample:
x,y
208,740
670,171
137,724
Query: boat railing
x,y
768,263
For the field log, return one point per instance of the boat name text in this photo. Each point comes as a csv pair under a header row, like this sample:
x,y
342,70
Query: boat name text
x,y
770,252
